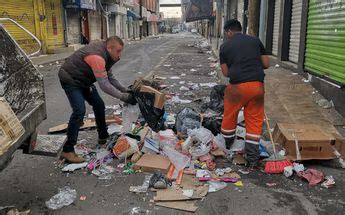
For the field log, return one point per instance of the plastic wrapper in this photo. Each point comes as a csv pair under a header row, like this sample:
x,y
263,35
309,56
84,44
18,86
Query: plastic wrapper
x,y
187,120
130,114
125,147
215,186
154,117
65,197
179,160
200,142
167,137
219,141
142,188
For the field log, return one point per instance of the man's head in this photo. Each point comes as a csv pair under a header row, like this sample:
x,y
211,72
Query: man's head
x,y
232,27
114,47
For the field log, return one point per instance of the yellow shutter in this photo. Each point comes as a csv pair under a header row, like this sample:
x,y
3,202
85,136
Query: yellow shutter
x,y
55,31
21,11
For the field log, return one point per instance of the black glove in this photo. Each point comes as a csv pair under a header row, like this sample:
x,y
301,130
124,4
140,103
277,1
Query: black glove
x,y
128,98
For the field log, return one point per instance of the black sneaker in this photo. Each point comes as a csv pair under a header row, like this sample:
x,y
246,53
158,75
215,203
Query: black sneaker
x,y
103,141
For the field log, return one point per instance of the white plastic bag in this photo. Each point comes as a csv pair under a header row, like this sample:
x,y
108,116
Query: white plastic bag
x,y
65,197
220,142
130,114
167,137
125,147
179,160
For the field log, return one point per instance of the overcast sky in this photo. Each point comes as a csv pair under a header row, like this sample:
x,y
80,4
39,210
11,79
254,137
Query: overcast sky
x,y
169,1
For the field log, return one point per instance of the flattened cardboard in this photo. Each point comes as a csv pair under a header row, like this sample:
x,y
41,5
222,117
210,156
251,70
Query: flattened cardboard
x,y
172,194
179,205
152,163
312,141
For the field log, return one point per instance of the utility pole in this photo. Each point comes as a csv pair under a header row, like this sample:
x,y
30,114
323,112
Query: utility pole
x,y
141,19
253,17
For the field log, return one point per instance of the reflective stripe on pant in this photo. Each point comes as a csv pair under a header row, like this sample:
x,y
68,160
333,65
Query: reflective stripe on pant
x,y
250,96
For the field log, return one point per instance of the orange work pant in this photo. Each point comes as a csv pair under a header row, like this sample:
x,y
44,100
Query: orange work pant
x,y
250,96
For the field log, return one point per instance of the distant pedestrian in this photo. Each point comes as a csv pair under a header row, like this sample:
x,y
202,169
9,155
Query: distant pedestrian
x,y
243,59
77,75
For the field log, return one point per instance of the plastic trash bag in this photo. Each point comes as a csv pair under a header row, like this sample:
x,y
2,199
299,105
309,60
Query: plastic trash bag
x,y
186,120
216,99
65,197
153,116
200,141
213,123
179,160
130,114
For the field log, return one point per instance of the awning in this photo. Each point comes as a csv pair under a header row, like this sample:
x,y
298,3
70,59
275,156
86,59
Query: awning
x,y
133,14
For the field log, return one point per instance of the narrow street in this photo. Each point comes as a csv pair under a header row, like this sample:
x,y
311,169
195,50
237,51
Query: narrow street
x,y
29,180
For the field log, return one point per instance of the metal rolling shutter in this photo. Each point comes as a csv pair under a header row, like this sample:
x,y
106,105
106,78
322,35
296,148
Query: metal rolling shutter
x,y
276,27
95,25
240,8
55,31
73,26
325,48
295,30
21,11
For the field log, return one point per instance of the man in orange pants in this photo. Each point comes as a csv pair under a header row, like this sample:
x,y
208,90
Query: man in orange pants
x,y
243,59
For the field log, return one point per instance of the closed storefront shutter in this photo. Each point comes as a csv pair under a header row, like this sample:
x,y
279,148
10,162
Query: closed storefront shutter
x,y
112,25
276,25
325,48
55,31
21,11
95,25
73,26
240,9
295,30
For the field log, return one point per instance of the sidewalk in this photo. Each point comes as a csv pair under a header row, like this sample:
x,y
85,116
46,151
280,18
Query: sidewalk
x,y
44,59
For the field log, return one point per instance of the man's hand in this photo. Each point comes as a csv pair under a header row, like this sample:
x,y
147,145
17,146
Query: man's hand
x,y
128,98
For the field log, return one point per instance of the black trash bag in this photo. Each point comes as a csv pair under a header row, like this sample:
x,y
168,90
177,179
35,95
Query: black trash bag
x,y
213,124
216,99
153,116
186,120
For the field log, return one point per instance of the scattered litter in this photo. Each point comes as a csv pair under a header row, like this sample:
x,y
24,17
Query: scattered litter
x,y
182,82
82,198
312,176
183,88
215,186
294,73
201,173
40,66
124,147
177,100
298,167
114,128
221,172
6,207
329,182
17,212
153,163
179,160
238,184
193,70
210,85
74,166
188,193
174,78
159,181
305,80
288,171
183,74
64,197
167,65
271,184
213,73
142,188
137,211
277,66
244,172
324,103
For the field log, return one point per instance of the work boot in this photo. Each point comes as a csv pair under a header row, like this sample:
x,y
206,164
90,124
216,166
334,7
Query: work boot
x,y
72,157
252,154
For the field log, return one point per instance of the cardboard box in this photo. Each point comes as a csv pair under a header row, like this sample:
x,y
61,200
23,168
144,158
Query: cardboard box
x,y
10,127
153,163
159,96
306,141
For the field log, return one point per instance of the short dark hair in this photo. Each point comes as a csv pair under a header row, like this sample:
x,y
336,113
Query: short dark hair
x,y
233,25
115,38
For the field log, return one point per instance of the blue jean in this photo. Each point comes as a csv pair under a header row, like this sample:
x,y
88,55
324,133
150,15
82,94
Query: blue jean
x,y
77,97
